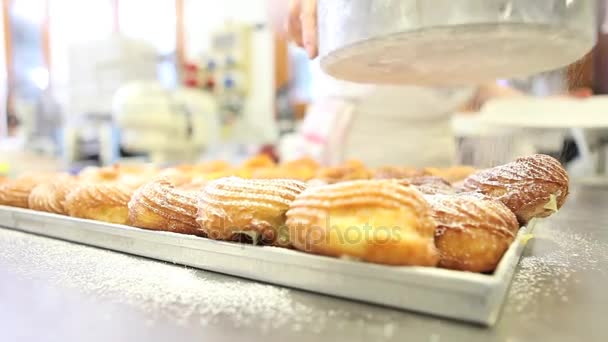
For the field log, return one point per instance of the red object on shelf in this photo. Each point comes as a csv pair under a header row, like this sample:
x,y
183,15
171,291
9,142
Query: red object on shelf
x,y
210,83
191,67
582,93
191,82
270,151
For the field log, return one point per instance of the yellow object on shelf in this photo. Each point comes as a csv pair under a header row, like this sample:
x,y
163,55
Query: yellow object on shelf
x,y
4,169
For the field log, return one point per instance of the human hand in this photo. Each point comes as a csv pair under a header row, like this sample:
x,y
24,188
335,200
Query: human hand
x,y
302,25
487,92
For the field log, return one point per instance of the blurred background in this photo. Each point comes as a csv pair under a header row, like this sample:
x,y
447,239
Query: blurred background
x,y
95,82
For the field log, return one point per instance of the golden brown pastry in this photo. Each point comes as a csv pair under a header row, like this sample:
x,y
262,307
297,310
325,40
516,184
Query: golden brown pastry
x,y
106,202
95,174
186,174
350,170
258,162
160,205
431,185
396,172
50,196
273,173
534,186
16,192
232,207
452,174
197,183
251,166
305,162
377,221
212,166
133,175
302,169
472,233
177,176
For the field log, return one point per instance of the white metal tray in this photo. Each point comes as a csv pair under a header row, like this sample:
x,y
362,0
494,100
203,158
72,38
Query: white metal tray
x,y
471,297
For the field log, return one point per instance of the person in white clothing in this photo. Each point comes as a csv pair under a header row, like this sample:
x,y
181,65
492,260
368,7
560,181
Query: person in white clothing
x,y
384,125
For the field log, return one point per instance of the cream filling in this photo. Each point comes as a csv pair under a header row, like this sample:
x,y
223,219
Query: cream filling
x,y
253,235
552,203
525,238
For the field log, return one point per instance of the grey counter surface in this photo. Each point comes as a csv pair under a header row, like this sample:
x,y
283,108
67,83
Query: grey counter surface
x,y
51,290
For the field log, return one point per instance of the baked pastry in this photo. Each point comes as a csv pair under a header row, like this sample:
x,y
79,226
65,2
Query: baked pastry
x,y
132,175
213,166
105,202
378,221
16,192
300,169
396,172
451,174
258,162
350,170
231,208
50,196
534,186
94,174
160,205
177,176
431,185
472,233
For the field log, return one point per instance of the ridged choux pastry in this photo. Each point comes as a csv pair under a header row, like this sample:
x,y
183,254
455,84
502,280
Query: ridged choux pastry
x,y
16,192
533,186
378,221
50,196
106,202
231,208
160,205
472,232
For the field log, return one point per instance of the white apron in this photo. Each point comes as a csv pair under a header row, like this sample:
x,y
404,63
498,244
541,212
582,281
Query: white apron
x,y
385,125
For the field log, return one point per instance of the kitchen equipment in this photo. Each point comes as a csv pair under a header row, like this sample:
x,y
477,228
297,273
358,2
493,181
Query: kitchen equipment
x,y
168,126
451,42
463,296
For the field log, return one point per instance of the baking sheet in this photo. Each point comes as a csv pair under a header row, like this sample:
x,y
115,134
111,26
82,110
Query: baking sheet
x,y
470,297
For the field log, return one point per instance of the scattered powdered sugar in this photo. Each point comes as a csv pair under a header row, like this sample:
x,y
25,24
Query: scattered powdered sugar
x,y
551,273
180,294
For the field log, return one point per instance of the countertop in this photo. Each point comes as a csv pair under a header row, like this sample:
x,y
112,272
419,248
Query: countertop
x,y
52,290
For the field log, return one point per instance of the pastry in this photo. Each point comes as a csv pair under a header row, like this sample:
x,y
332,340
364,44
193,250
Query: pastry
x,y
95,174
350,170
132,175
451,174
16,192
378,221
306,162
207,170
105,202
472,233
231,208
213,166
534,186
431,185
300,169
395,172
160,205
258,162
50,196
177,176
